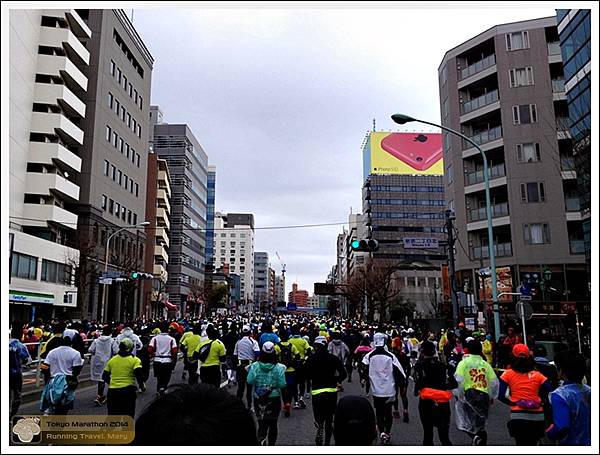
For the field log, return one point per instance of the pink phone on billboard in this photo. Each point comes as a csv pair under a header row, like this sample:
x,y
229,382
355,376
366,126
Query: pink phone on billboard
x,y
419,151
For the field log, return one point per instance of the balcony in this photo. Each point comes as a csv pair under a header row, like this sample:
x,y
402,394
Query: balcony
x,y
477,67
77,24
494,172
163,199
563,127
161,235
577,246
49,122
479,102
500,250
39,183
48,213
49,153
51,93
160,271
163,217
64,38
498,210
483,137
554,48
572,204
558,85
62,67
159,251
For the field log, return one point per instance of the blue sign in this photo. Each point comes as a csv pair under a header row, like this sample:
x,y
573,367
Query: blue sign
x,y
424,243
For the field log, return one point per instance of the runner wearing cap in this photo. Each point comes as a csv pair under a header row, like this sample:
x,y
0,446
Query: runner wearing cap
x,y
529,391
384,372
267,377
326,371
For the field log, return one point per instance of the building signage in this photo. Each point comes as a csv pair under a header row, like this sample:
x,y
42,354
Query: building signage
x,y
425,243
30,297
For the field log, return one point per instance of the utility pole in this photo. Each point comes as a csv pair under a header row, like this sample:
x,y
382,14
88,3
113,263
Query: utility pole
x,y
450,217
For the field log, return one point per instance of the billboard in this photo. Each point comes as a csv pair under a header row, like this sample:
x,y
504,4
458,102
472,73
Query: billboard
x,y
403,153
504,283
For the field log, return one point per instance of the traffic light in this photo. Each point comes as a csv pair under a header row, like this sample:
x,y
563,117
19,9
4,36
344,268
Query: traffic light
x,y
140,275
367,245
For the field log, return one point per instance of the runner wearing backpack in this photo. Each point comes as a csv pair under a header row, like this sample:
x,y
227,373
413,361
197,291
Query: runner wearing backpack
x,y
290,357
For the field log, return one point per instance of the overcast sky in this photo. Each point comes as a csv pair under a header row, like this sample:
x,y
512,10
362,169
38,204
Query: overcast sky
x,y
281,100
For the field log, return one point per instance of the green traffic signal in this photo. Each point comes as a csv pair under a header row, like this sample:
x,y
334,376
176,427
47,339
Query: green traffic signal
x,y
134,275
365,245
355,244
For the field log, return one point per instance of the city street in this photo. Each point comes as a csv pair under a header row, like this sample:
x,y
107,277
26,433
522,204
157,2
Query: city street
x,y
299,428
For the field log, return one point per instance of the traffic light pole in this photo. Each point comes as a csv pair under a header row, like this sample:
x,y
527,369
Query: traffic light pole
x,y
452,266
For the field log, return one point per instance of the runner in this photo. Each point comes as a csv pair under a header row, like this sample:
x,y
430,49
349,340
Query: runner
x,y
528,392
163,348
478,386
189,342
18,356
246,351
127,332
326,372
401,387
303,349
363,371
288,356
267,334
268,379
102,349
211,353
120,374
339,349
432,383
384,372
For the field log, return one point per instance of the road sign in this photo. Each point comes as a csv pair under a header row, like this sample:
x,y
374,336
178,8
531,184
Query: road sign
x,y
524,310
106,280
111,274
415,243
485,271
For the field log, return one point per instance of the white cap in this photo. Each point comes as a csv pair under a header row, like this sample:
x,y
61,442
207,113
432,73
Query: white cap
x,y
379,339
320,340
268,347
246,328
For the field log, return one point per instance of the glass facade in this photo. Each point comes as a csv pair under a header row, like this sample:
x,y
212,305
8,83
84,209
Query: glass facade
x,y
210,215
575,42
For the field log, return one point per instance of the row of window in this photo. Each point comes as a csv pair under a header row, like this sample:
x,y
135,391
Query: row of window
x,y
122,146
408,188
409,215
231,244
25,266
119,210
233,235
121,44
427,202
119,75
115,105
110,170
428,229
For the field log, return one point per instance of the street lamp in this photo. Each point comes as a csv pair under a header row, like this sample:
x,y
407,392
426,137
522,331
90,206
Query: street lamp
x,y
105,293
401,119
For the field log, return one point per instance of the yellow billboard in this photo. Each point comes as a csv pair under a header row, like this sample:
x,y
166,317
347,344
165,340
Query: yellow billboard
x,y
403,153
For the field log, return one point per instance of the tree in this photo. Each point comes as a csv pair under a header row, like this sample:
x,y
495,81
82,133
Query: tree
x,y
209,295
86,269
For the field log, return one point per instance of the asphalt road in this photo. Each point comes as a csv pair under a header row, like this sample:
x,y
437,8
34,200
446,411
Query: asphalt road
x,y
299,428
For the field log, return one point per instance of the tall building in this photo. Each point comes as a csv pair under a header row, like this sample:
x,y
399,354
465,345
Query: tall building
x,y
261,279
504,88
574,29
48,82
210,217
187,163
158,209
280,290
403,206
297,297
234,246
114,163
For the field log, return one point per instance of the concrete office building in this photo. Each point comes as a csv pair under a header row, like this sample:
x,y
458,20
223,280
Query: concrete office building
x,y
261,279
280,290
210,218
504,88
234,247
188,165
574,29
48,81
114,162
297,298
158,210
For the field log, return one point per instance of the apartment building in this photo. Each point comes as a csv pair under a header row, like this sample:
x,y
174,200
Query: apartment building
x,y
505,89
280,290
234,247
261,281
297,298
48,82
211,183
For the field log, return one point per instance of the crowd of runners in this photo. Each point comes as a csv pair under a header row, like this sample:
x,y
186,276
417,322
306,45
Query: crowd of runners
x,y
252,371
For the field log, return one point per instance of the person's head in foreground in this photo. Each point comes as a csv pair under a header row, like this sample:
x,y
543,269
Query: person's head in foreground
x,y
571,366
199,415
354,422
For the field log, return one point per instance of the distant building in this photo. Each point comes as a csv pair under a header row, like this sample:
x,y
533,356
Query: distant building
x,y
210,217
280,290
261,281
297,297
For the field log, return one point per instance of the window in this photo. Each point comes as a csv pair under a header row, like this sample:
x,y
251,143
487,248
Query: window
x,y
132,154
137,159
104,202
444,75
533,192
121,144
115,139
130,89
125,82
140,102
139,130
106,167
112,68
521,76
232,244
111,206
113,171
131,187
445,109
126,181
119,75
127,150
132,126
135,218
117,209
232,260
524,114
232,268
536,233
122,113
128,119
117,106
137,190
135,96
108,133
223,244
223,252
232,252
128,216
517,41
123,212
23,266
111,99
449,174
223,235
119,177
242,236
528,153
